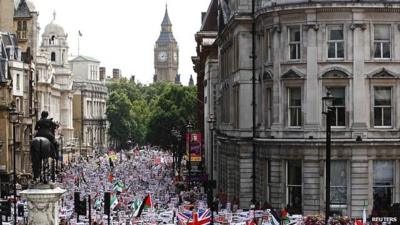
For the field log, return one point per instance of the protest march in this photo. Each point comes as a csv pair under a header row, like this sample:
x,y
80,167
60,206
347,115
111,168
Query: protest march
x,y
143,191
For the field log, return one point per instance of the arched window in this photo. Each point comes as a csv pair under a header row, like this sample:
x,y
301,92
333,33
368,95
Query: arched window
x,y
51,41
53,56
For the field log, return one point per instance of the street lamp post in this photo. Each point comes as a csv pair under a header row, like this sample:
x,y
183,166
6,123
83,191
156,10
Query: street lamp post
x,y
327,103
62,151
189,127
179,157
14,120
211,183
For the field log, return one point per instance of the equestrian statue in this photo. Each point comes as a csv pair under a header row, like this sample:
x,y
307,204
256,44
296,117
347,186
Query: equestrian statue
x,y
43,147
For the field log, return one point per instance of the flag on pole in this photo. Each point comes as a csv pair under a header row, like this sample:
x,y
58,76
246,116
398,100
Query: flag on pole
x,y
97,203
135,205
119,186
274,217
202,217
114,201
147,203
358,222
79,33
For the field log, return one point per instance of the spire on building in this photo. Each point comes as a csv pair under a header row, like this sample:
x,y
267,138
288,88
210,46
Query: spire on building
x,y
166,21
191,82
166,35
178,79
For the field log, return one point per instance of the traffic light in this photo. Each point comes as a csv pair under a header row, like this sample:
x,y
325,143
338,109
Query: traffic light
x,y
5,208
4,189
107,204
76,201
82,208
21,210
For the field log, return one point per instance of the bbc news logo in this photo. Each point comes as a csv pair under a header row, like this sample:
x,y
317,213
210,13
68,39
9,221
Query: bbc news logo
x,y
384,219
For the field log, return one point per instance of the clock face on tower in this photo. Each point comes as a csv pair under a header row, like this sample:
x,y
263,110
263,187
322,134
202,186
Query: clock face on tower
x,y
162,56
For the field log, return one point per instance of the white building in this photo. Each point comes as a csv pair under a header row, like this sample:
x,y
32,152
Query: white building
x,y
55,79
303,49
90,97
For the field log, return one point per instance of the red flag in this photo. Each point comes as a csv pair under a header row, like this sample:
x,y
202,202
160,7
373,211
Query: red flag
x,y
358,222
110,177
251,222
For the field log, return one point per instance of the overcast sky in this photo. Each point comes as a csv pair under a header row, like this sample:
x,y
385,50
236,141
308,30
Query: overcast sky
x,y
122,33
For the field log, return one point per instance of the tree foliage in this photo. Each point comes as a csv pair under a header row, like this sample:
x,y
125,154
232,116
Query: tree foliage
x,y
148,113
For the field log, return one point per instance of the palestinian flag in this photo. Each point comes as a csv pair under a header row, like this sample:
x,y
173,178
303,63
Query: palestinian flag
x,y
97,203
119,186
147,203
275,220
113,202
135,205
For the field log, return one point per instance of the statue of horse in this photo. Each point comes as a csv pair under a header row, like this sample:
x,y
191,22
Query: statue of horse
x,y
41,150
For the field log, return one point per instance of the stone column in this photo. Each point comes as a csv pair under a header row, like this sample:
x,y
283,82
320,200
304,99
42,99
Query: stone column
x,y
277,112
43,205
311,97
361,111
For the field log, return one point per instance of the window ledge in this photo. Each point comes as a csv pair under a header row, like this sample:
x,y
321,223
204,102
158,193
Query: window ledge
x,y
383,60
385,128
339,127
294,127
335,59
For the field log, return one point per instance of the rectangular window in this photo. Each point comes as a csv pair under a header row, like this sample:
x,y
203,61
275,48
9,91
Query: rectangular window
x,y
236,99
18,83
267,57
294,42
268,107
383,186
339,106
24,25
339,182
335,42
382,41
294,186
294,106
383,106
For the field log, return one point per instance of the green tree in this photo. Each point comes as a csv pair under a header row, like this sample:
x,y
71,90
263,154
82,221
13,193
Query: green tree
x,y
148,113
171,110
120,115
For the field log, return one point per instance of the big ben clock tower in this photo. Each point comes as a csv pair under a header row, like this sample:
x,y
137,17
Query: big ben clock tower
x,y
166,53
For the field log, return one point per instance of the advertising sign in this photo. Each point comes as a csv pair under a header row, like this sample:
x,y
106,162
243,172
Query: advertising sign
x,y
195,146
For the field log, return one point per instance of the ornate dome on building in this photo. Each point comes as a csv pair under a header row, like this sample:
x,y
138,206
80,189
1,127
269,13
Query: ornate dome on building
x,y
54,29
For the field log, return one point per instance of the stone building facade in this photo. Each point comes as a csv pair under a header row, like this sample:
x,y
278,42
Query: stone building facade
x,y
17,87
304,49
54,79
89,103
206,67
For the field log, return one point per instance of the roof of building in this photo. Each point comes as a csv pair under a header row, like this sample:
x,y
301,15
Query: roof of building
x,y
166,35
191,82
53,29
209,21
82,58
166,21
24,8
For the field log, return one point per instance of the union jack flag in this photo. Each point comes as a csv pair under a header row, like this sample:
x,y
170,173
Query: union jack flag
x,y
202,217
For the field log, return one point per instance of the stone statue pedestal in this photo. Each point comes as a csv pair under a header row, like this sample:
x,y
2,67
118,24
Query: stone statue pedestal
x,y
43,204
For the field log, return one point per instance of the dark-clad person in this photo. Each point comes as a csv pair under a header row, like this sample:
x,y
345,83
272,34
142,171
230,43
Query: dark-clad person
x,y
45,128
